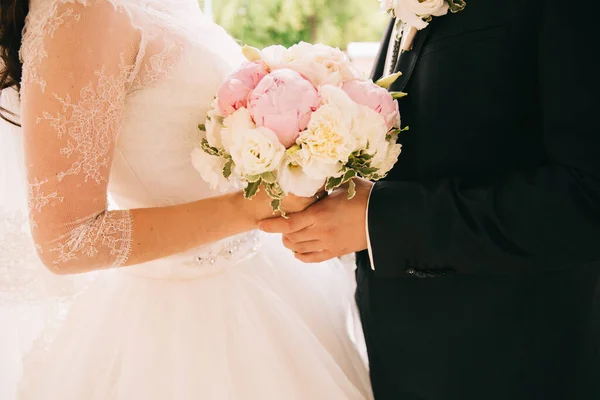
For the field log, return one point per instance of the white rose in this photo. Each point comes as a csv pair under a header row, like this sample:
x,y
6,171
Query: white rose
x,y
391,158
211,169
370,131
321,64
412,12
292,177
234,126
255,151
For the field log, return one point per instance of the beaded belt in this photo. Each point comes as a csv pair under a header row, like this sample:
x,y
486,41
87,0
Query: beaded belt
x,y
205,261
229,250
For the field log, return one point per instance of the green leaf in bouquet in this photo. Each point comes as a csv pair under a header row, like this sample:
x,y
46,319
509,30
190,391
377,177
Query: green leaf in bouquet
x,y
388,80
253,178
351,189
228,168
274,190
398,95
359,160
276,193
393,134
269,177
366,172
276,206
251,190
348,176
456,5
366,157
202,127
333,183
294,149
213,151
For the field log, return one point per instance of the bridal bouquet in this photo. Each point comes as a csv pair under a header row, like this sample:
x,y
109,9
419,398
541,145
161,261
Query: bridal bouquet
x,y
296,121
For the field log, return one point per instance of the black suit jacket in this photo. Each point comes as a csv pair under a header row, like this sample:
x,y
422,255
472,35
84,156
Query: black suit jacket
x,y
486,234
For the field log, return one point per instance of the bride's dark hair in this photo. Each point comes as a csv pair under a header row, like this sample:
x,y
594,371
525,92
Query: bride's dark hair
x,y
12,22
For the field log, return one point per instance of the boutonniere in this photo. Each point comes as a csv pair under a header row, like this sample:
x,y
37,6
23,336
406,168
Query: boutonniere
x,y
415,15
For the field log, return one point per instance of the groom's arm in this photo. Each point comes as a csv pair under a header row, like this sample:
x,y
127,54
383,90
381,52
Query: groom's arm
x,y
526,221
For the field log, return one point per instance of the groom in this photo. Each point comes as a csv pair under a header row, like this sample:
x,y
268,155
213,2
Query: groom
x,y
482,276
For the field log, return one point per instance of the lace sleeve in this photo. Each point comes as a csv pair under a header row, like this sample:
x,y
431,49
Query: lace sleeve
x,y
79,61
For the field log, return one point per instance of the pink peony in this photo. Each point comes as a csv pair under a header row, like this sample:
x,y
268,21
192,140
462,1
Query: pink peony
x,y
283,102
368,94
233,93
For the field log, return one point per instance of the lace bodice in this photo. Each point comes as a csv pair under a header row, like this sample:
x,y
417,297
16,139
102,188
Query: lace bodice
x,y
112,93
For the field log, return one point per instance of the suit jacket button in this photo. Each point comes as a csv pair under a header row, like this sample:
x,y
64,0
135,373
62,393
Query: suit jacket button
x,y
410,271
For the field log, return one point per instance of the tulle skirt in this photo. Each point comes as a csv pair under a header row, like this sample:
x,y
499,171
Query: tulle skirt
x,y
266,328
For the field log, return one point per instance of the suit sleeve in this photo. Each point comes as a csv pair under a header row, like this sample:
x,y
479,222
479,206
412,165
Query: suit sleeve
x,y
525,221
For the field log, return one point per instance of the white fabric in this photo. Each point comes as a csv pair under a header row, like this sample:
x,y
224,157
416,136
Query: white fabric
x,y
241,319
369,248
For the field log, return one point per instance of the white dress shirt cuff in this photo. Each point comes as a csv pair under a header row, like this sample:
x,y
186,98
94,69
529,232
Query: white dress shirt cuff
x,y
367,230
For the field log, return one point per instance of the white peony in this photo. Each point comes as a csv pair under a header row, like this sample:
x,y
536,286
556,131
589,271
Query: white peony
x,y
234,126
321,64
211,169
391,158
335,96
256,151
370,131
412,12
293,178
327,142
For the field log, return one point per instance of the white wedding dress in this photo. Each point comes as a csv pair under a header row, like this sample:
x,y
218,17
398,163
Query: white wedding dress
x,y
238,319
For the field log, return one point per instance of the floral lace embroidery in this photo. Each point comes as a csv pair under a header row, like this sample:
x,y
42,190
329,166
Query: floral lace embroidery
x,y
38,199
157,66
86,122
42,23
99,111
111,230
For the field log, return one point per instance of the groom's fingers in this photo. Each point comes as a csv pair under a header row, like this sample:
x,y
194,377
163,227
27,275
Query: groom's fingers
x,y
295,222
304,247
315,257
303,235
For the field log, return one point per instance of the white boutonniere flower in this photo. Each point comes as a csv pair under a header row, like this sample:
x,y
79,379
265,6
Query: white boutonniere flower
x,y
416,14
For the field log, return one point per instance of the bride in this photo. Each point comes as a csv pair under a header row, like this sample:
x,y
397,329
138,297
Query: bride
x,y
190,302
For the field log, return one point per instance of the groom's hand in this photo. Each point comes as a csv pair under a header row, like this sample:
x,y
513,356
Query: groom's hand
x,y
330,228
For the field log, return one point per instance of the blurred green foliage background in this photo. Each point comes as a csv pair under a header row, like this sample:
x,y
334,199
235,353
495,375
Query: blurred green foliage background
x,y
262,23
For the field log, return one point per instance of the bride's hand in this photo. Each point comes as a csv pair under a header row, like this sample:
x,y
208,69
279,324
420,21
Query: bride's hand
x,y
260,205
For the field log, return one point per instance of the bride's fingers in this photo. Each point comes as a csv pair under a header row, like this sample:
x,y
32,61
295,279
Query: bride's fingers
x,y
304,247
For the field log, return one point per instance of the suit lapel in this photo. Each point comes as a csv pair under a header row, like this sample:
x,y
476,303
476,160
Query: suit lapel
x,y
381,55
407,61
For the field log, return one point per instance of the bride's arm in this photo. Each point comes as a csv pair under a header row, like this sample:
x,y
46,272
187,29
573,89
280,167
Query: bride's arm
x,y
73,94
